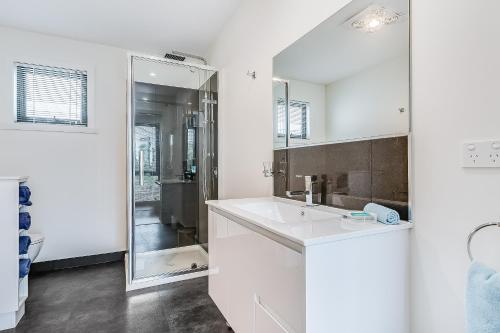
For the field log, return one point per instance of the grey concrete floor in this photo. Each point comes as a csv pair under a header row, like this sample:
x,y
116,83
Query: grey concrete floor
x,y
93,299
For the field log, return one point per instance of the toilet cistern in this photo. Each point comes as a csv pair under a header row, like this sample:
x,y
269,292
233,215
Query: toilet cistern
x,y
308,190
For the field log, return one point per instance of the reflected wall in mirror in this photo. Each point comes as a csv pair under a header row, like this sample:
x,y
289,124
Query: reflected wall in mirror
x,y
348,79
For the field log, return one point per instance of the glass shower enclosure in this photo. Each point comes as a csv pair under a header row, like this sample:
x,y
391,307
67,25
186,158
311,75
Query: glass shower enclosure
x,y
172,168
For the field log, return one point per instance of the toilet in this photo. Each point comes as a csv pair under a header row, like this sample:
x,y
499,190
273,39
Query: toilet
x,y
35,246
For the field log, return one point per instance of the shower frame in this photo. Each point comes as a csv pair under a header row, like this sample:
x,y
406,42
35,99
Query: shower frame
x,y
132,284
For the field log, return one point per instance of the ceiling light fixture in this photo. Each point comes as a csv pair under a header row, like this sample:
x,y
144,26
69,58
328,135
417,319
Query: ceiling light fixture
x,y
152,74
374,18
145,99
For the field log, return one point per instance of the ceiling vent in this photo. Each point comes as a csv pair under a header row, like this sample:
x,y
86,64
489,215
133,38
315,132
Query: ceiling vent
x,y
374,18
174,57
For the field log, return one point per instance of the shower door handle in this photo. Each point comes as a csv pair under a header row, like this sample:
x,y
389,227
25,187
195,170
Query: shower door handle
x,y
141,167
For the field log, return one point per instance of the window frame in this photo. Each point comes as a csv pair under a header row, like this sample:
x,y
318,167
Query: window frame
x,y
305,135
10,123
21,94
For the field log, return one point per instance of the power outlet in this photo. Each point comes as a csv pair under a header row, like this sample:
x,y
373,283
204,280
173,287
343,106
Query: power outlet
x,y
494,159
481,154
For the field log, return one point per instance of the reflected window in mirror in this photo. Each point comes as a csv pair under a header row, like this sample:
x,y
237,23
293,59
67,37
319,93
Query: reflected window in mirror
x,y
280,118
299,119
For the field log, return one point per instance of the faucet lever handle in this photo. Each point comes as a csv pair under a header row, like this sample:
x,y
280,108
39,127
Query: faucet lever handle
x,y
311,178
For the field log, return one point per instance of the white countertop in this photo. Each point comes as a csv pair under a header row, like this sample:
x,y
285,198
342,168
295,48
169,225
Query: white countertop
x,y
305,226
15,178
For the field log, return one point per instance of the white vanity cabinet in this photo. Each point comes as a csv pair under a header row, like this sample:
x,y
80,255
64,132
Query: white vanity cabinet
x,y
251,273
263,282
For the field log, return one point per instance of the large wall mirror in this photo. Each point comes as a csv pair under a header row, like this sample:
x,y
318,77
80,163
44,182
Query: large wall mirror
x,y
346,80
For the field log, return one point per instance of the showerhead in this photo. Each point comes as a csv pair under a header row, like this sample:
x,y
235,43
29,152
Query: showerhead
x,y
174,57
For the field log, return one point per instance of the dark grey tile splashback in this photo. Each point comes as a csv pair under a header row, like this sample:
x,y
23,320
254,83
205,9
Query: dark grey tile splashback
x,y
350,174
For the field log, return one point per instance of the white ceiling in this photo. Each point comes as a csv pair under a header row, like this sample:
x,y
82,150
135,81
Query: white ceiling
x,y
148,26
333,51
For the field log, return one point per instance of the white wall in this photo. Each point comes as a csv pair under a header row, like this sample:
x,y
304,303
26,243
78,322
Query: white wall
x,y
455,96
367,104
258,30
456,71
77,179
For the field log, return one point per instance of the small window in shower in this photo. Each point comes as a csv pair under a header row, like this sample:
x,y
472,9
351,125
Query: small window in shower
x,y
191,136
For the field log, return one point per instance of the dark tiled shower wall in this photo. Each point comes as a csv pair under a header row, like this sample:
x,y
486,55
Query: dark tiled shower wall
x,y
350,174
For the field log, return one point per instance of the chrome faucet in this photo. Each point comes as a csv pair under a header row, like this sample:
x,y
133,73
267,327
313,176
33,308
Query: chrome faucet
x,y
308,189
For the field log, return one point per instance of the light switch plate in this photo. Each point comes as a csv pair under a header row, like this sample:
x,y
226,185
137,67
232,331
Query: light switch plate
x,y
481,154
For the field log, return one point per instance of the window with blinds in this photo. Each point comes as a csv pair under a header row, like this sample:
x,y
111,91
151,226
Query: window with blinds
x,y
299,119
51,95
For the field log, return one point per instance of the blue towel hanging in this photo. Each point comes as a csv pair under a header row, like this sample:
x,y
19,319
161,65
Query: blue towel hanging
x,y
24,221
24,195
24,267
24,243
483,299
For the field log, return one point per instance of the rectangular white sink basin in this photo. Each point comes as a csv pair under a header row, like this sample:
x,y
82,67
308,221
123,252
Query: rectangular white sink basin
x,y
284,212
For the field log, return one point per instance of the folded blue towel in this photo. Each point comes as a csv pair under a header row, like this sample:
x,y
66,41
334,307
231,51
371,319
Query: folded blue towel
x,y
24,195
384,215
24,220
24,267
483,299
24,243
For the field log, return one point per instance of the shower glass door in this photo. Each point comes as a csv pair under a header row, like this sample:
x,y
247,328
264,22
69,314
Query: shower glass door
x,y
173,167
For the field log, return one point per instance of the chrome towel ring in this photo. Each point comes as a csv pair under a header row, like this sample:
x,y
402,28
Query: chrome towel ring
x,y
482,226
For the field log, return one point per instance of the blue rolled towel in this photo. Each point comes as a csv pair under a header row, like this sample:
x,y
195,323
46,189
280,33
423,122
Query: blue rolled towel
x,y
384,215
24,243
24,220
24,267
483,299
24,195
